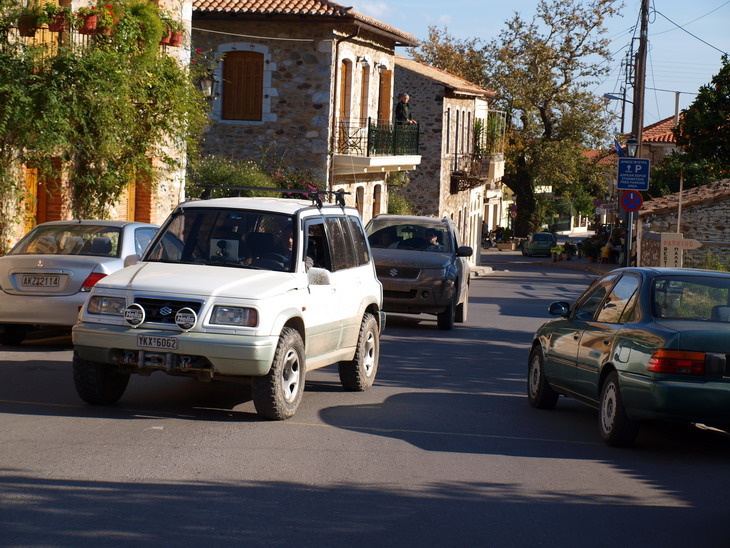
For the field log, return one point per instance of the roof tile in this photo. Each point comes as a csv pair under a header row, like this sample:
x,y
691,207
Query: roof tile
x,y
692,196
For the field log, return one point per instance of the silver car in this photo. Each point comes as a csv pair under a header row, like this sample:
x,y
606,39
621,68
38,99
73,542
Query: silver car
x,y
46,277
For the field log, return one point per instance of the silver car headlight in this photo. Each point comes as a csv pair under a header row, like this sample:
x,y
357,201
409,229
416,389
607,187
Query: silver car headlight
x,y
102,304
234,315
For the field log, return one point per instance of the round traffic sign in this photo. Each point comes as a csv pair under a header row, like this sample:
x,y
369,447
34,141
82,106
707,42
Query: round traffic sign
x,y
631,200
513,214
597,202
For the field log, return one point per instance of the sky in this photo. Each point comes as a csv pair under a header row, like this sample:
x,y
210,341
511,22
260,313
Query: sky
x,y
677,60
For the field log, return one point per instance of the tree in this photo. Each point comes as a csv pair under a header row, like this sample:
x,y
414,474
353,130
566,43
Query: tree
x,y
104,110
703,131
541,71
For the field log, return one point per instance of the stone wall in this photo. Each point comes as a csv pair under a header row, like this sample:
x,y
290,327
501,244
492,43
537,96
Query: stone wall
x,y
706,221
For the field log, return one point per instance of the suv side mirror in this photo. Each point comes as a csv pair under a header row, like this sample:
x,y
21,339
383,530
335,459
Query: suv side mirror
x,y
318,276
464,251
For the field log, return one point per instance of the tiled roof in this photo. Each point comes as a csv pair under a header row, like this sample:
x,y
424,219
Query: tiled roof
x,y
297,7
446,78
601,158
693,196
659,132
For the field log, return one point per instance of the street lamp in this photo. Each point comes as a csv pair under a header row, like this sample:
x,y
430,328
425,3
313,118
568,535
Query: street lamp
x,y
632,147
207,85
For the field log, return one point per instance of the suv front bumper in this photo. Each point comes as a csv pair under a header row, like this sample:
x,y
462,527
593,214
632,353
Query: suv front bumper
x,y
220,353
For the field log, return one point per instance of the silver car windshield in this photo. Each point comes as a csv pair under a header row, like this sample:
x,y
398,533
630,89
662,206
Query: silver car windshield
x,y
81,239
224,237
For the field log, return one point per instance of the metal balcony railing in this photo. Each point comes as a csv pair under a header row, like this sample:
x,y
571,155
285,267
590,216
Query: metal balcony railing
x,y
376,138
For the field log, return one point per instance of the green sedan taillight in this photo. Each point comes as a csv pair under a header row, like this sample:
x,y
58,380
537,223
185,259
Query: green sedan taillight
x,y
677,362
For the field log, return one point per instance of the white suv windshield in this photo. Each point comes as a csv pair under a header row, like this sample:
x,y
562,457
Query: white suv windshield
x,y
225,237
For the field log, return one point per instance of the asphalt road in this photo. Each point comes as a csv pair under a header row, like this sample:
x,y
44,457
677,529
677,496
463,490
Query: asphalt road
x,y
443,451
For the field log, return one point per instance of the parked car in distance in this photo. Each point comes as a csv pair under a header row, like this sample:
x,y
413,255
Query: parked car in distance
x,y
422,267
638,344
265,289
46,277
539,243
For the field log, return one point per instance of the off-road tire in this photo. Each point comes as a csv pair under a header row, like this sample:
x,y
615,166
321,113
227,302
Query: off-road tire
x,y
462,309
539,393
98,383
359,374
616,428
277,394
445,320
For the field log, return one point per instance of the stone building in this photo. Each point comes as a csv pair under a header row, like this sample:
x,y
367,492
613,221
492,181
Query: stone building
x,y
703,216
309,81
462,148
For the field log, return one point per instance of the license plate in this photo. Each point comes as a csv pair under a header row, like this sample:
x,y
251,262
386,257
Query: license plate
x,y
40,280
165,343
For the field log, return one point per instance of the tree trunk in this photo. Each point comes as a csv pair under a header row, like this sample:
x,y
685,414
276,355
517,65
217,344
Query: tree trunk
x,y
520,183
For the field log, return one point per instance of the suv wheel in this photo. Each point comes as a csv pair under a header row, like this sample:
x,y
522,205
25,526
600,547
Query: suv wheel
x,y
97,383
462,309
359,374
277,395
445,319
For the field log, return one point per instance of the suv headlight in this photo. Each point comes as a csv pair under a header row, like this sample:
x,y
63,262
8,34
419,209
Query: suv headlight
x,y
234,315
102,304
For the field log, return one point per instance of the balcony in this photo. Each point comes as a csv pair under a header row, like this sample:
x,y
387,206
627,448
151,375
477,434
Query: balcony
x,y
471,171
370,146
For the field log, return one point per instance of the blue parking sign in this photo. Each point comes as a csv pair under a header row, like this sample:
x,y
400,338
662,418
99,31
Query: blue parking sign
x,y
633,174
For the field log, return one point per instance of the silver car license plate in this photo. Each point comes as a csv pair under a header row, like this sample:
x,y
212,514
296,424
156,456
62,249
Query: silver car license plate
x,y
164,343
40,280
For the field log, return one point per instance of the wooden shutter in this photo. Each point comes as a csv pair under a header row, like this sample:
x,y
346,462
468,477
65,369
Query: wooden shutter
x,y
243,85
364,94
384,96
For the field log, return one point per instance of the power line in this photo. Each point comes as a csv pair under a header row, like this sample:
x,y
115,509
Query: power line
x,y
688,32
693,20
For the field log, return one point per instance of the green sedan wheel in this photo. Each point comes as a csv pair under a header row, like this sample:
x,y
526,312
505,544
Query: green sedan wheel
x,y
539,392
617,429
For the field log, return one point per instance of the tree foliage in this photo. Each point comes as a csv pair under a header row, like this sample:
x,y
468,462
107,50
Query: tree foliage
x,y
542,71
104,109
703,131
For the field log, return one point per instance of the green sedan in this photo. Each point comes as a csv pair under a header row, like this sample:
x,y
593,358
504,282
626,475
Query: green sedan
x,y
639,344
539,243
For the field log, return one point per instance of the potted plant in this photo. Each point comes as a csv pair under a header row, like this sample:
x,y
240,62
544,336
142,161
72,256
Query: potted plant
x,y
177,29
557,252
568,251
58,18
29,20
105,19
86,19
588,250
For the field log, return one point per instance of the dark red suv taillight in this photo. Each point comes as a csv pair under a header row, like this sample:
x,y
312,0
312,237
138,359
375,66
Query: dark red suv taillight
x,y
91,280
678,362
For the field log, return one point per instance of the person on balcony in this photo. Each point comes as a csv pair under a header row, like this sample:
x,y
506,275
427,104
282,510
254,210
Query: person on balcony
x,y
403,110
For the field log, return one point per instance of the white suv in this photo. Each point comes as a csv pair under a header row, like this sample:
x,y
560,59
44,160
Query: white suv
x,y
238,287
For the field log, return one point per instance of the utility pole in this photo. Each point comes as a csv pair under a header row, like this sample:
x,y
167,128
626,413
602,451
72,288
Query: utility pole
x,y
637,125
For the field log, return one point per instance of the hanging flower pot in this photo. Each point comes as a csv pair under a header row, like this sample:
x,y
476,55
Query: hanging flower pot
x,y
176,38
167,34
88,25
59,23
27,25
